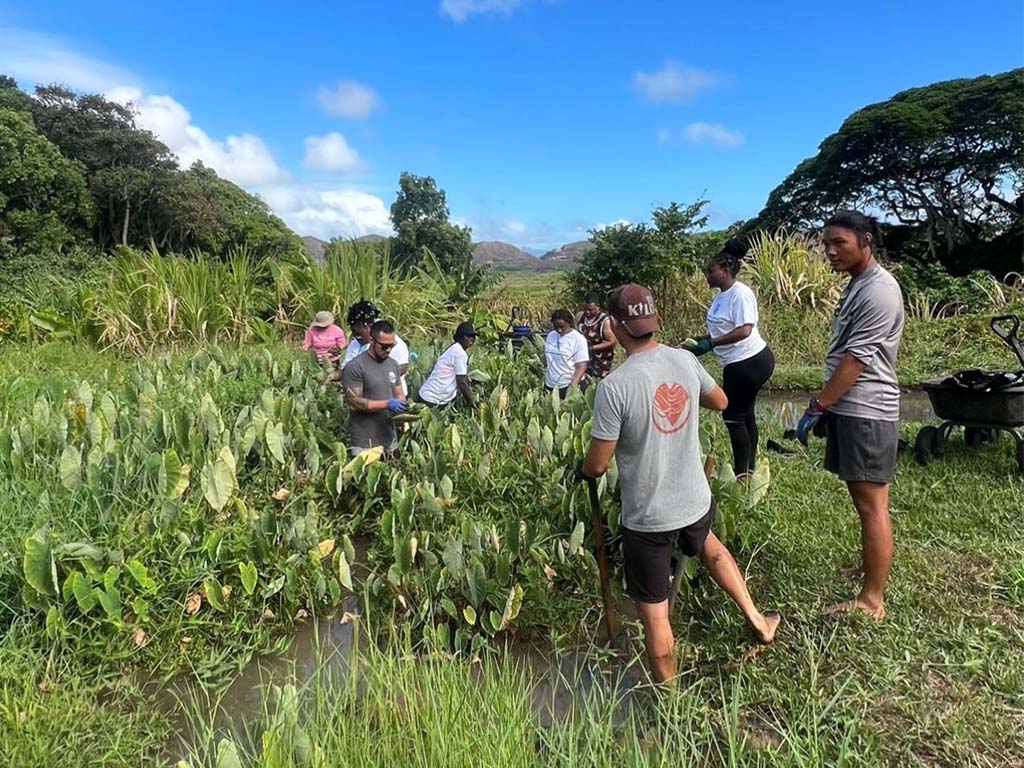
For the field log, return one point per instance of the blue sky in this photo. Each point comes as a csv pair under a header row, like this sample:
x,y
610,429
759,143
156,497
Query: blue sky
x,y
540,118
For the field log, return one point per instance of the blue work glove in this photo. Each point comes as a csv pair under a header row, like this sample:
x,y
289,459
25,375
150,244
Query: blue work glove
x,y
811,417
397,405
703,346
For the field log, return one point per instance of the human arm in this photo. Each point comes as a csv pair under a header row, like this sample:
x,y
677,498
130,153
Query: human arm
x,y
739,333
352,383
465,389
842,379
714,399
607,337
307,341
580,360
599,457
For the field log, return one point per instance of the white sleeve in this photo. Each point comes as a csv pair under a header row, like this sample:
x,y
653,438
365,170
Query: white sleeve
x,y
460,361
582,352
400,354
744,308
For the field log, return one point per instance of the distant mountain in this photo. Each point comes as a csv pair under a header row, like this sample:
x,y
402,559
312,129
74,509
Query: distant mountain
x,y
315,247
371,239
566,255
503,257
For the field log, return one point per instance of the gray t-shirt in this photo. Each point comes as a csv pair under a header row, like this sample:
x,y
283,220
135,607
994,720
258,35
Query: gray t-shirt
x,y
869,325
650,405
377,380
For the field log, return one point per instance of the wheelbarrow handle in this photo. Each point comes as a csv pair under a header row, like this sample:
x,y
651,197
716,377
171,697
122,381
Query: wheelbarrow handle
x,y
999,327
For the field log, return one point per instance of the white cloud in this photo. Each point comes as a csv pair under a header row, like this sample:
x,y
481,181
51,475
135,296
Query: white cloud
x,y
348,99
243,158
331,153
713,133
674,82
33,58
460,10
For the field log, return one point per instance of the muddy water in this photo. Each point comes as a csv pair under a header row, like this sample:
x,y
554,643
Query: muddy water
x,y
786,408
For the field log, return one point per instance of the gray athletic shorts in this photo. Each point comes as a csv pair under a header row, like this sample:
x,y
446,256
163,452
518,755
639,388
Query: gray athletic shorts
x,y
861,449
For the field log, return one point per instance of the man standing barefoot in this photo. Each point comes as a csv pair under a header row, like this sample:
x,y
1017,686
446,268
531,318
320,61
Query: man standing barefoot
x,y
861,398
646,415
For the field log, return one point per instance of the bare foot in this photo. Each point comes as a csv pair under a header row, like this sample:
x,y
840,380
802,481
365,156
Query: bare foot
x,y
766,626
854,605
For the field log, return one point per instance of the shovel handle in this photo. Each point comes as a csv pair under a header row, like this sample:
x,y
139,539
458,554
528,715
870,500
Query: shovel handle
x,y
999,327
610,618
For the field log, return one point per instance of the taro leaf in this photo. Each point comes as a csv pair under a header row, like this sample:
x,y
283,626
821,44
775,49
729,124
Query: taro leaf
x,y
347,548
141,575
110,600
477,582
246,441
493,621
218,479
453,557
612,474
71,468
547,441
333,480
275,586
403,555
576,539
456,442
249,575
758,485
172,475
447,487
275,441
227,755
85,596
690,567
39,566
469,613
214,595
533,435
78,550
513,603
449,607
54,622
344,572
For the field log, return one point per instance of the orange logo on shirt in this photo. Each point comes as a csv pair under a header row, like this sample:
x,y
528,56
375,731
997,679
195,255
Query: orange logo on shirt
x,y
671,409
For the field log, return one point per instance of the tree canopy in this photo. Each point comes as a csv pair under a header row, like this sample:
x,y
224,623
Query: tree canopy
x,y
44,199
641,253
137,194
423,230
942,164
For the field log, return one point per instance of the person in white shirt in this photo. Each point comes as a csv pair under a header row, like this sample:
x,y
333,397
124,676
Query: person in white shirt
x,y
566,354
747,361
361,316
450,375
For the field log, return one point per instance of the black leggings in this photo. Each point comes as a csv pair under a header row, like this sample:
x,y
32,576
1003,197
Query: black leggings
x,y
742,382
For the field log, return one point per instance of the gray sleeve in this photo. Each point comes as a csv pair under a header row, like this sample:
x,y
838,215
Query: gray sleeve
x,y
872,321
351,376
706,380
606,421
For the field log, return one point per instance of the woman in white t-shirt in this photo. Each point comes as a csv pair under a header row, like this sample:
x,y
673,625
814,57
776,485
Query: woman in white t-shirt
x,y
747,361
566,354
450,375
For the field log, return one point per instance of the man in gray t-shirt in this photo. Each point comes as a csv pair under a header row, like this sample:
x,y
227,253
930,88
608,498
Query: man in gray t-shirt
x,y
860,402
373,393
646,415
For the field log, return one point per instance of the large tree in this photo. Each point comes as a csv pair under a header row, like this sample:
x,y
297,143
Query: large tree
x,y
943,165
641,253
423,229
44,200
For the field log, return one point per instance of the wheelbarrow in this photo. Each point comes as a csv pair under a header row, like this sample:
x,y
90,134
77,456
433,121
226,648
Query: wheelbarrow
x,y
984,403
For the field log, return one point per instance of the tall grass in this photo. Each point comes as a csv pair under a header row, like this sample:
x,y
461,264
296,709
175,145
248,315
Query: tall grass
x,y
790,269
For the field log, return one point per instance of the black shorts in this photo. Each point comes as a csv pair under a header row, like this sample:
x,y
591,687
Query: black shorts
x,y
861,450
647,557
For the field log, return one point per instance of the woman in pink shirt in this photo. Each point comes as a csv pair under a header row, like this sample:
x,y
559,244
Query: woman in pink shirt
x,y
325,338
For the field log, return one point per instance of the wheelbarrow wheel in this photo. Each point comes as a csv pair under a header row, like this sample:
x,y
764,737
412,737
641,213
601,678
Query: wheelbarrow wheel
x,y
978,436
926,445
